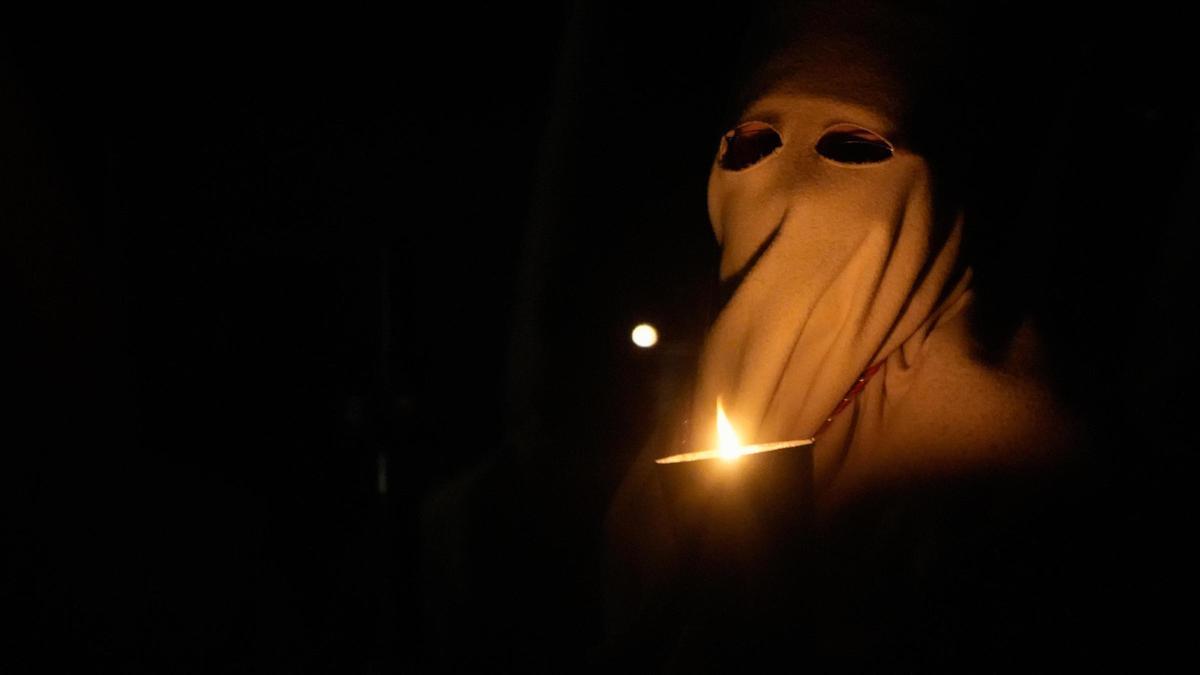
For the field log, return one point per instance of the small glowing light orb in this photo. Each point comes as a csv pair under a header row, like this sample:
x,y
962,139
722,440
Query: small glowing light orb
x,y
644,335
728,444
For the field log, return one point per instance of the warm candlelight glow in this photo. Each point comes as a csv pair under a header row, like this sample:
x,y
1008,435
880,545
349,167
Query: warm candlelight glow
x,y
728,444
644,335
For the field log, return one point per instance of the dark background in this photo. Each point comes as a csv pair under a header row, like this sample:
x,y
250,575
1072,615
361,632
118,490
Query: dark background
x,y
320,324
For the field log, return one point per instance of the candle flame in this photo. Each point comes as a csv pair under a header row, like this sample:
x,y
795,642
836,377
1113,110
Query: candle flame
x,y
729,447
728,444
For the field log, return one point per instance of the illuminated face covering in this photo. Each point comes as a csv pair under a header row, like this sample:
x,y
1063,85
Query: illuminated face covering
x,y
835,256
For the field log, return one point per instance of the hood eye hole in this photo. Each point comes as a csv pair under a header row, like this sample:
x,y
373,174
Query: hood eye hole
x,y
747,144
854,146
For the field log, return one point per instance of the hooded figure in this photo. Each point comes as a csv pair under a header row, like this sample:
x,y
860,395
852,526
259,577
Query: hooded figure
x,y
842,258
848,300
847,295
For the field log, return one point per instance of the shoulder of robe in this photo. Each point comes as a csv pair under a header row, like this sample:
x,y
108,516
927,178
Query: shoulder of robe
x,y
963,413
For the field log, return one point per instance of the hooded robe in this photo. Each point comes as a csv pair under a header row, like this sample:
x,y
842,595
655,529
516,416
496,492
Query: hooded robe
x,y
841,258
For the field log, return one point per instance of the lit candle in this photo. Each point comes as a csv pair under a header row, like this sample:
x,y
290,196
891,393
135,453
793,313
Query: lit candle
x,y
740,523
729,447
